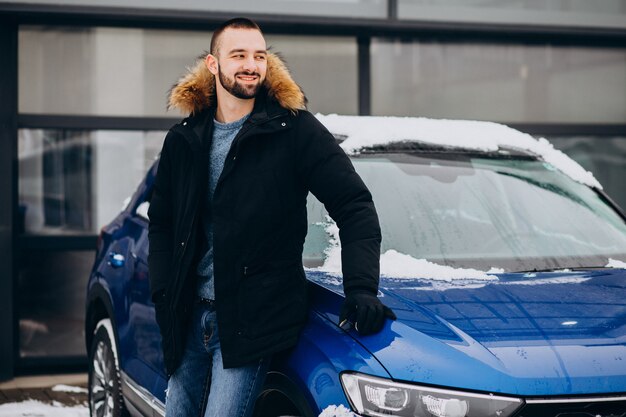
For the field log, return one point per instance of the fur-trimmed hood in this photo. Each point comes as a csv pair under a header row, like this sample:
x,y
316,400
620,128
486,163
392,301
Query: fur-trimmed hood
x,y
195,91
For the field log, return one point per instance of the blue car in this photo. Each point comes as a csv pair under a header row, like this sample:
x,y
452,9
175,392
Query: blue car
x,y
503,260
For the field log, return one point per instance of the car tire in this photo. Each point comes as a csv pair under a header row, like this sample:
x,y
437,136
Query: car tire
x,y
105,388
276,404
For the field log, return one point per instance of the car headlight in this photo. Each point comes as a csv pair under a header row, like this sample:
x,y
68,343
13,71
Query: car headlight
x,y
372,396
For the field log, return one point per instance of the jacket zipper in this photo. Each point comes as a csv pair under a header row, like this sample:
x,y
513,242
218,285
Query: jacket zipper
x,y
237,144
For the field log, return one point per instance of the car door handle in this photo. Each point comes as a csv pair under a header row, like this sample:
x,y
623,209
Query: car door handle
x,y
116,260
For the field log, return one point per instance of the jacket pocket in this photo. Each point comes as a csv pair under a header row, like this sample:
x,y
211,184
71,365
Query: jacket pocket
x,y
272,298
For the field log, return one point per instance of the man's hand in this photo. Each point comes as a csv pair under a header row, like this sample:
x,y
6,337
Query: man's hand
x,y
370,313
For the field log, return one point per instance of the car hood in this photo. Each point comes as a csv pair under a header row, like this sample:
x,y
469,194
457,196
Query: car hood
x,y
556,333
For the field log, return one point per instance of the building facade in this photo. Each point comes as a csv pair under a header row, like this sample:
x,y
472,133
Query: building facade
x,y
83,90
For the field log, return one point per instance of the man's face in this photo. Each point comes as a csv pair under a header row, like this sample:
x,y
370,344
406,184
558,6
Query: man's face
x,y
241,62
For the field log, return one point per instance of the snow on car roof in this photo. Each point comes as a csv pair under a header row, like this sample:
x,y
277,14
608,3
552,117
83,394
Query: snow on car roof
x,y
367,131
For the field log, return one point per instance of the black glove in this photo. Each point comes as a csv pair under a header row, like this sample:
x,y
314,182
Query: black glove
x,y
369,311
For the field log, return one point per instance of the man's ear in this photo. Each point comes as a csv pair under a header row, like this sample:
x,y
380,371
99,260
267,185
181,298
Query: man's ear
x,y
211,64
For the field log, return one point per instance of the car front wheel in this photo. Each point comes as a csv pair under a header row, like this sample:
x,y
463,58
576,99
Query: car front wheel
x,y
105,390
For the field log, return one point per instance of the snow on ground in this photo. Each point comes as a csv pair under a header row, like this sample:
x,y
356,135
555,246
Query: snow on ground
x,y
614,263
367,131
69,388
336,411
399,265
33,408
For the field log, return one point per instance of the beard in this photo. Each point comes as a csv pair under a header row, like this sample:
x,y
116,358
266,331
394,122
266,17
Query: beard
x,y
239,90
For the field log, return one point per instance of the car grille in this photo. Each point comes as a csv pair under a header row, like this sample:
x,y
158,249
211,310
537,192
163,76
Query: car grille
x,y
579,407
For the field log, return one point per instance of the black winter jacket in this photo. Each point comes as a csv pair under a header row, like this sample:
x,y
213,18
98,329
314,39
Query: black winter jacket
x,y
259,222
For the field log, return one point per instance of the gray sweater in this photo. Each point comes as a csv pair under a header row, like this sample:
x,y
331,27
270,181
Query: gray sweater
x,y
223,136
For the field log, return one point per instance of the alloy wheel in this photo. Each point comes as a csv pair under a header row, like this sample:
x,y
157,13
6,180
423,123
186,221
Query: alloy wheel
x,y
102,401
105,394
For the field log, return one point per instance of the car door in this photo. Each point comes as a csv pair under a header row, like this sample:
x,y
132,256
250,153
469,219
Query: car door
x,y
146,335
140,338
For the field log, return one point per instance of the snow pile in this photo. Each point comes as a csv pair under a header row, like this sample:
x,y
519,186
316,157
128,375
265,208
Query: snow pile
x,y
336,411
332,260
68,388
614,263
367,131
38,409
399,265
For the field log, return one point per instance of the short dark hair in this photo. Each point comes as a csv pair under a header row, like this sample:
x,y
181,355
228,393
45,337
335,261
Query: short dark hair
x,y
236,23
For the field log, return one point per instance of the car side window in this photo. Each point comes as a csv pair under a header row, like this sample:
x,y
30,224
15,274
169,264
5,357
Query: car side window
x,y
142,209
317,239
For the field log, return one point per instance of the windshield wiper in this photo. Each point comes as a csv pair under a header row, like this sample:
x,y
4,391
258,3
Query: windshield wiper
x,y
548,187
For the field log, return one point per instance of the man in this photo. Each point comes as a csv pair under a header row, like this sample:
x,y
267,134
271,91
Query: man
x,y
228,222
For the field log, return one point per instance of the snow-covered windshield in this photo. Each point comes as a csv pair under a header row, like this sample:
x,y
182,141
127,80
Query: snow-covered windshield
x,y
469,211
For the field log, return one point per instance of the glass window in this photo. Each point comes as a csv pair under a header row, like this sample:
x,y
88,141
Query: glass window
x,y
509,83
128,72
347,8
51,302
325,68
604,14
102,71
318,234
74,182
604,156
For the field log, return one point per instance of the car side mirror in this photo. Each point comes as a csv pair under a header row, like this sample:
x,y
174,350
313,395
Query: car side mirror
x,y
142,210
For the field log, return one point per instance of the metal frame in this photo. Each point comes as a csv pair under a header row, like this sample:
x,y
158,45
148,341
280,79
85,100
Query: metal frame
x,y
57,243
51,365
8,191
364,76
140,398
50,121
392,9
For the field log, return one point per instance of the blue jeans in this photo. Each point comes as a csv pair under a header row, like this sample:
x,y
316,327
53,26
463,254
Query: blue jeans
x,y
201,381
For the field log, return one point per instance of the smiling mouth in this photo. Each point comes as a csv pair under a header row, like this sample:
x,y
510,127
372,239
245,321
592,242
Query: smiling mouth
x,y
248,78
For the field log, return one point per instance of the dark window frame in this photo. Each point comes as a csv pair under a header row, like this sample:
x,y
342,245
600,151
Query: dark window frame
x,y
8,189
69,122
